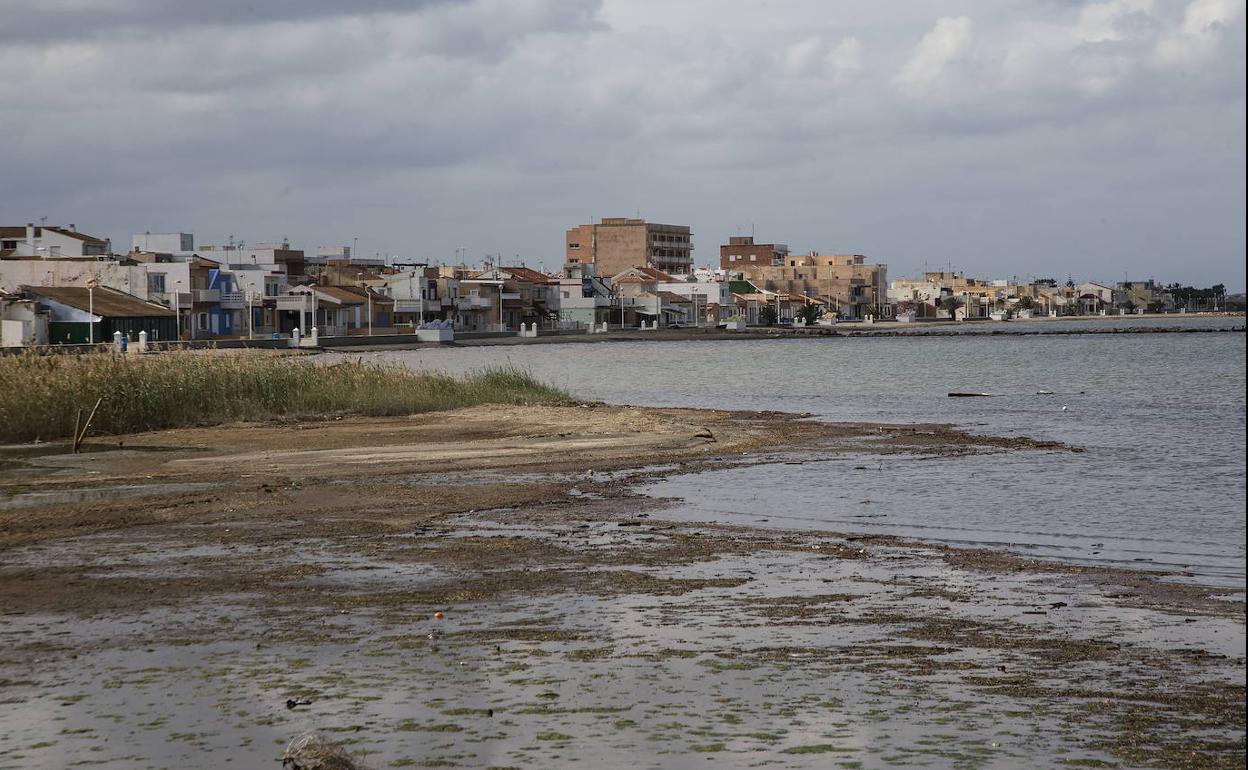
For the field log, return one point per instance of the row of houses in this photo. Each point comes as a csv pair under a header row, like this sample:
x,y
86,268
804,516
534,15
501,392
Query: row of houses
x,y
58,285
952,295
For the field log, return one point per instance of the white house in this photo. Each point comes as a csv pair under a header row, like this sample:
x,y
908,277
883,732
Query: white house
x,y
50,242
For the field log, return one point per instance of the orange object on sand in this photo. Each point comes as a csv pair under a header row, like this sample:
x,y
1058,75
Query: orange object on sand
x,y
438,615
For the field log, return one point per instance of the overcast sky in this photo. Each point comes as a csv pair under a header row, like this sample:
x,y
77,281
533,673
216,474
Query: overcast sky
x,y
1004,137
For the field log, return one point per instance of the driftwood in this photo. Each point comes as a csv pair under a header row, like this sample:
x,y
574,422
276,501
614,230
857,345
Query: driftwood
x,y
79,435
311,751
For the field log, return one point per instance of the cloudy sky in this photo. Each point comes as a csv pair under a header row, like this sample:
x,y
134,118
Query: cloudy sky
x,y
1004,137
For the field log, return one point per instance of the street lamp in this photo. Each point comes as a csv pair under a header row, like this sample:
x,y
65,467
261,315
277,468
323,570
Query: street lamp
x,y
422,296
177,309
91,311
251,315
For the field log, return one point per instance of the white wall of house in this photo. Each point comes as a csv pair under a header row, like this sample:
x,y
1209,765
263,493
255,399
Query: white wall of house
x,y
164,243
50,244
132,279
22,324
258,281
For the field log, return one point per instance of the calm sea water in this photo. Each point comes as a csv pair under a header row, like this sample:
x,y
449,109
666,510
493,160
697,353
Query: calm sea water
x,y
1161,417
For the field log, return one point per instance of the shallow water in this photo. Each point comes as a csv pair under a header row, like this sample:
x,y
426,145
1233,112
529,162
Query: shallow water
x,y
1161,418
811,662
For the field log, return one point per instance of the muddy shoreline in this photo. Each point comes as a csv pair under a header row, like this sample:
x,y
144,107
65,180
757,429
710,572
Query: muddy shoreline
x,y
165,596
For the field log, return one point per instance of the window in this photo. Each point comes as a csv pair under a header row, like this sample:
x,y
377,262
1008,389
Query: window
x,y
156,283
201,321
753,258
574,245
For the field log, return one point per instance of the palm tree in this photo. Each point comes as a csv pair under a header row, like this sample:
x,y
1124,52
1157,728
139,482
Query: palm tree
x,y
810,313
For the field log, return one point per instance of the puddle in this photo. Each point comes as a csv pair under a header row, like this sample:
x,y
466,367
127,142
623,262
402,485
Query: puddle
x,y
90,494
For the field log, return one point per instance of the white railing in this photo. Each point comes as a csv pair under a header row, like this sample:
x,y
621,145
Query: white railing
x,y
294,302
233,300
411,305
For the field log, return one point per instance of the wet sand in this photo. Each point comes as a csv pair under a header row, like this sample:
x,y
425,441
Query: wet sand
x,y
165,597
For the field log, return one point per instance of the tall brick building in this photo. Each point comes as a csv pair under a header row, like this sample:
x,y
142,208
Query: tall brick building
x,y
616,244
741,250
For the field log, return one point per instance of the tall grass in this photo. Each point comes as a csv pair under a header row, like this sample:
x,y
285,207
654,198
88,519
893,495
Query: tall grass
x,y
40,395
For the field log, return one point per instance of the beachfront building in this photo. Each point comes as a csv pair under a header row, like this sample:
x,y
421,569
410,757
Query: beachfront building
x,y
711,299
949,294
760,307
1141,296
849,285
526,296
83,314
584,298
616,244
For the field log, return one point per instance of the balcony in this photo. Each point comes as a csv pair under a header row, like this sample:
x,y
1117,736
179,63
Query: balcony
x,y
233,300
414,305
296,302
210,296
475,303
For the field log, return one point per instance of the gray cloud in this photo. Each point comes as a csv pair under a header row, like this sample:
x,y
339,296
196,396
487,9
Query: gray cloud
x,y
48,20
1010,138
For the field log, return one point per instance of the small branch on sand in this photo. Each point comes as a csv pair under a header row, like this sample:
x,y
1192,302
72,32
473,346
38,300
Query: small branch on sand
x,y
80,435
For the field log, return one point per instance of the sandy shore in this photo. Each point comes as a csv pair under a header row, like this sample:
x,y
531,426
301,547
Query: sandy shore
x,y
167,595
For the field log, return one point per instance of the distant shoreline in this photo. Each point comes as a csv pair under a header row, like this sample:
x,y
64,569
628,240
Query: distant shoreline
x,y
1151,324
883,329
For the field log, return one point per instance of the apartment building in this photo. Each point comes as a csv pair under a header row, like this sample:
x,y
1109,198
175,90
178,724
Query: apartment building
x,y
741,250
616,244
851,287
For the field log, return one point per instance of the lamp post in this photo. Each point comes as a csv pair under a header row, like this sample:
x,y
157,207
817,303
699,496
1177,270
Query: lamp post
x,y
177,310
91,311
369,294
